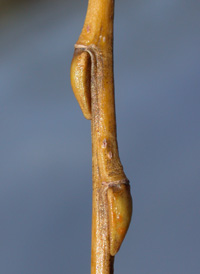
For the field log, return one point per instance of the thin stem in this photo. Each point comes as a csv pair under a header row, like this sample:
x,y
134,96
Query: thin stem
x,y
112,204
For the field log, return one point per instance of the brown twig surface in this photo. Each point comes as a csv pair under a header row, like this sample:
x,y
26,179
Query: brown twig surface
x,y
93,85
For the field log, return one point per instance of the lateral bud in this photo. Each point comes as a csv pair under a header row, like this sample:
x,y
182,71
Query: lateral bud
x,y
120,212
80,80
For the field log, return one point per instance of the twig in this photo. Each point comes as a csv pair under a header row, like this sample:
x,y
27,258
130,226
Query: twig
x,y
93,85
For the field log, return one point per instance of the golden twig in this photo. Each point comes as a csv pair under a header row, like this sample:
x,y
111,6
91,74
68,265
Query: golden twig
x,y
93,85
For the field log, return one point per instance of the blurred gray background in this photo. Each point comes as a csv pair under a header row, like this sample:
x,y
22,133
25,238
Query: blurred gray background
x,y
45,144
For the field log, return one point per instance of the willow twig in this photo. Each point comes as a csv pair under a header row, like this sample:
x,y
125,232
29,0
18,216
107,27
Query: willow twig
x,y
93,85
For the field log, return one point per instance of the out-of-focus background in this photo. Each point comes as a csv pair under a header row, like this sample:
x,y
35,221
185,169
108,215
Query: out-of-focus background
x,y
45,144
